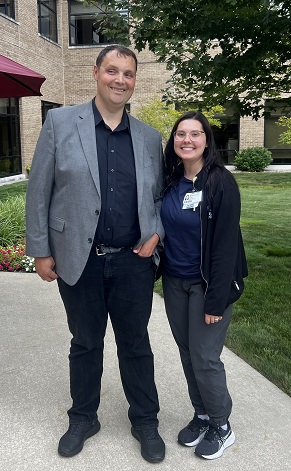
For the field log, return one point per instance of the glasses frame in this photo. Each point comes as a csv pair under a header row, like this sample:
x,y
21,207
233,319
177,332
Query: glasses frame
x,y
189,134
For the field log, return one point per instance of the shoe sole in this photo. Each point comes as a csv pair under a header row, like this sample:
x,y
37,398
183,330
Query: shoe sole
x,y
198,440
89,434
143,454
230,441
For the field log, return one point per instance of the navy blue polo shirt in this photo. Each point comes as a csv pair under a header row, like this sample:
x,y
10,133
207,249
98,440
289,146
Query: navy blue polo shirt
x,y
118,224
182,243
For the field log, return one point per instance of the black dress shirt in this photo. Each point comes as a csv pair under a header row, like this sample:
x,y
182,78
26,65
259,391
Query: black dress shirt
x,y
118,224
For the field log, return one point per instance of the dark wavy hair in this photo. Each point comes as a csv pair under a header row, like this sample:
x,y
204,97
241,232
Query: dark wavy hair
x,y
174,168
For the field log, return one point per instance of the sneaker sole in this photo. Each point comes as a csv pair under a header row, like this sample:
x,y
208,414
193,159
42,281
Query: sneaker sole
x,y
89,434
230,441
198,440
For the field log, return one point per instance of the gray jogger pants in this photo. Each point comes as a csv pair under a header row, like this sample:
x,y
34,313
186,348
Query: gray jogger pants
x,y
200,346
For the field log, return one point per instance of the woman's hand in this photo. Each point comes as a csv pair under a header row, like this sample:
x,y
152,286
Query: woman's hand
x,y
209,319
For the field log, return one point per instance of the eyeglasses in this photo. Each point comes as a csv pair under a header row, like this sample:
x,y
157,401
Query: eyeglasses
x,y
193,135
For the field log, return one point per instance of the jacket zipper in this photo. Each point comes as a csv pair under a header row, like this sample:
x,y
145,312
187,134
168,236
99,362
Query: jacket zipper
x,y
201,257
236,285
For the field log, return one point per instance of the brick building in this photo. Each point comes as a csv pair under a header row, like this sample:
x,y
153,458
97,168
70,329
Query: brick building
x,y
58,39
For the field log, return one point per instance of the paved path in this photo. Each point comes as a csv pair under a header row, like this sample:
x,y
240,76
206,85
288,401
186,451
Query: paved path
x,y
34,396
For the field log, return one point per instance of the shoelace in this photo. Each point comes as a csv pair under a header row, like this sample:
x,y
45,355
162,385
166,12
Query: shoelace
x,y
212,435
195,424
151,433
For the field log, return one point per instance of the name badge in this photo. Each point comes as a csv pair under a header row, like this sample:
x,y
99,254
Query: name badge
x,y
192,200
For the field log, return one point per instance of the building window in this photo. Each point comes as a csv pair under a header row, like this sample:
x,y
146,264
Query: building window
x,y
10,158
45,107
84,23
47,19
281,153
7,8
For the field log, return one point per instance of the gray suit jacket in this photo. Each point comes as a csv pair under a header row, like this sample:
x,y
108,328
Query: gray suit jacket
x,y
63,196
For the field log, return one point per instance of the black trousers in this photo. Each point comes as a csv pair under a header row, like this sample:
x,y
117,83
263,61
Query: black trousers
x,y
120,284
200,346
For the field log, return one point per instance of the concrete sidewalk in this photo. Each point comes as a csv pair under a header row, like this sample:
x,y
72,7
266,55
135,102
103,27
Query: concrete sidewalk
x,y
34,396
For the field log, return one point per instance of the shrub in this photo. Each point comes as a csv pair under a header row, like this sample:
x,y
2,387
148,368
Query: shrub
x,y
12,220
253,159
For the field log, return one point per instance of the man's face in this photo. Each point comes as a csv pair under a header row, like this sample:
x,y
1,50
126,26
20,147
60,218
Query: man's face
x,y
115,80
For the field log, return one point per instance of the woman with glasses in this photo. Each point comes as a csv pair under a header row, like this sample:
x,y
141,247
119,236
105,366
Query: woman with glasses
x,y
203,270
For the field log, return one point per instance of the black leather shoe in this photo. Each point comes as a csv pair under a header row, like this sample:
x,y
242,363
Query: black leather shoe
x,y
151,443
73,441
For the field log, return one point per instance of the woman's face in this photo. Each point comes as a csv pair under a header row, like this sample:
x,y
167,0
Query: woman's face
x,y
190,141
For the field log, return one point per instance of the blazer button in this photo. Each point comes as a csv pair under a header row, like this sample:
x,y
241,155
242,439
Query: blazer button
x,y
90,240
97,212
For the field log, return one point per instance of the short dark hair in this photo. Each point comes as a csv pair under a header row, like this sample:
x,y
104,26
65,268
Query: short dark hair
x,y
121,51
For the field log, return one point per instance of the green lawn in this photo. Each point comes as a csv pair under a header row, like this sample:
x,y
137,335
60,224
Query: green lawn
x,y
12,189
260,331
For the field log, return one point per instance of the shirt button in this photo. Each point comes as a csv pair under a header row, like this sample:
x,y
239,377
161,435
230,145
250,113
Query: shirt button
x,y
112,150
112,170
111,189
110,209
108,228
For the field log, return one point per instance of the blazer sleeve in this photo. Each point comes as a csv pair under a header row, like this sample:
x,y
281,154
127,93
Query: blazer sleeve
x,y
39,190
159,192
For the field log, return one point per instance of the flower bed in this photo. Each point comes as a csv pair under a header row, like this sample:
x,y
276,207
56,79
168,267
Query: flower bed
x,y
13,258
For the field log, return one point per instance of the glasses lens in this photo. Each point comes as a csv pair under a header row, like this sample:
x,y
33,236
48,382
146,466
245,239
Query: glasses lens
x,y
195,134
181,135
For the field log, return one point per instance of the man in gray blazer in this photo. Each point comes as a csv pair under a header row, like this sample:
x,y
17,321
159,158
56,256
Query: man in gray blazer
x,y
93,224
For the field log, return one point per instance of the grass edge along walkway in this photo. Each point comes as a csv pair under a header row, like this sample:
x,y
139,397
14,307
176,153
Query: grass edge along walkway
x,y
260,331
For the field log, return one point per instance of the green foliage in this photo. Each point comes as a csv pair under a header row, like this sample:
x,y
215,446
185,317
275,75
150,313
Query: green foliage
x,y
13,189
162,117
253,159
158,115
285,137
12,220
236,51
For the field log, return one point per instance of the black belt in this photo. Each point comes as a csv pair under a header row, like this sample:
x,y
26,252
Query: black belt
x,y
105,249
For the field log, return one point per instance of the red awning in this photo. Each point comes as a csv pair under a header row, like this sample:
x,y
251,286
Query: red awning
x,y
17,80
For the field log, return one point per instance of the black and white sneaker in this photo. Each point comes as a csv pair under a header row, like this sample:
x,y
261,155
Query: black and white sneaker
x,y
194,432
214,442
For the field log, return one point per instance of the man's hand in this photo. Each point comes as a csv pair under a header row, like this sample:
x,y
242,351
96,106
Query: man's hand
x,y
148,248
209,319
44,267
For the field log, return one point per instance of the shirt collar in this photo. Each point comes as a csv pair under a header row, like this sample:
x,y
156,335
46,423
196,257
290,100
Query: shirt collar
x,y
123,125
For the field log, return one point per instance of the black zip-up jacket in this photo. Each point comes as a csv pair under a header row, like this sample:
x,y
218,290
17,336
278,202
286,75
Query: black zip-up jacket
x,y
223,260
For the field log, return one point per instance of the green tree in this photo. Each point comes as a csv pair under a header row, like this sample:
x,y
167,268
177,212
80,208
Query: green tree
x,y
162,117
235,51
285,137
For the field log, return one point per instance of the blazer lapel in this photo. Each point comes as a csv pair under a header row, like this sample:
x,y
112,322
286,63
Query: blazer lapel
x,y
138,144
86,129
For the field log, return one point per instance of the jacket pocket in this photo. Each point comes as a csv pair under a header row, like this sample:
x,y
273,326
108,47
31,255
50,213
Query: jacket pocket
x,y
56,223
236,290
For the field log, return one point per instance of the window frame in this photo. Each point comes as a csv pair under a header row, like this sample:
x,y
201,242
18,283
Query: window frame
x,y
275,114
53,20
9,8
73,27
13,159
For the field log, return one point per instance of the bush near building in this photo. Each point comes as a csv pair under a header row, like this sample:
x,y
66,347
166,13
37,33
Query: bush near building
x,y
252,159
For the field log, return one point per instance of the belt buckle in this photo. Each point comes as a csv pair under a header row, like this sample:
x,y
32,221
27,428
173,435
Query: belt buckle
x,y
98,251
